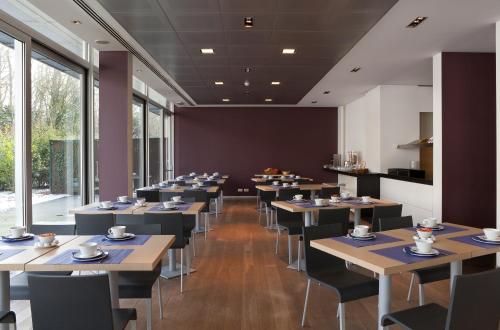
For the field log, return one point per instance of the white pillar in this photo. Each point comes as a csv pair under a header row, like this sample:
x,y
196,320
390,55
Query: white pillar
x,y
497,38
341,130
437,108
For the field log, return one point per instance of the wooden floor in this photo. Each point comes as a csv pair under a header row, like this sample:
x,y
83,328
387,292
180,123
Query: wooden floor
x,y
241,284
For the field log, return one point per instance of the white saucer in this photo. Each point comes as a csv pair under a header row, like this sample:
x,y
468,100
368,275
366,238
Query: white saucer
x,y
25,236
99,255
39,245
367,237
432,252
484,238
125,237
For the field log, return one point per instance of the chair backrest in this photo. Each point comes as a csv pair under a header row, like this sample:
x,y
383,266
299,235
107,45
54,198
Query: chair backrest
x,y
171,224
474,302
395,223
340,215
152,195
199,196
284,217
268,182
390,211
129,219
179,182
288,193
167,195
56,229
211,183
70,302
316,260
150,229
327,192
267,196
94,224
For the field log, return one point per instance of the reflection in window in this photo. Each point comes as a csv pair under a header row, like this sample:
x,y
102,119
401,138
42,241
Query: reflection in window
x,y
138,143
96,140
154,140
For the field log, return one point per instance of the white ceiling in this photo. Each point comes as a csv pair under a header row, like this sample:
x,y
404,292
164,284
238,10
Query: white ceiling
x,y
391,54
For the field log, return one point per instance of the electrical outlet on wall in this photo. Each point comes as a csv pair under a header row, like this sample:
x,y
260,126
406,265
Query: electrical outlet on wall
x,y
240,190
245,190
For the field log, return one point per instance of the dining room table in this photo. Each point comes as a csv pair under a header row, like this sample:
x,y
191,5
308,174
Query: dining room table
x,y
117,208
279,178
387,254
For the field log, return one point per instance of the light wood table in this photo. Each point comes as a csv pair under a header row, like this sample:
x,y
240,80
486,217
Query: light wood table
x,y
287,179
273,175
142,258
181,189
386,267
92,209
305,186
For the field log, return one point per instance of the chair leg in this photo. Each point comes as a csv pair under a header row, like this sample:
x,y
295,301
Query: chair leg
x,y
305,302
298,255
160,300
408,298
216,209
149,314
342,316
182,268
421,295
193,238
277,241
206,225
289,250
258,210
267,217
188,260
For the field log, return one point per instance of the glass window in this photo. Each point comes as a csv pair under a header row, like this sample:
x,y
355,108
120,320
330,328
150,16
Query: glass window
x,y
154,140
167,148
11,207
57,100
138,143
157,97
138,85
96,140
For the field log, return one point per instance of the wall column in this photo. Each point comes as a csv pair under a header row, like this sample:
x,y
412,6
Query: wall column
x,y
115,124
497,129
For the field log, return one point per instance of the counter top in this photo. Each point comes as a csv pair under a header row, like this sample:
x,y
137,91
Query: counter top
x,y
381,175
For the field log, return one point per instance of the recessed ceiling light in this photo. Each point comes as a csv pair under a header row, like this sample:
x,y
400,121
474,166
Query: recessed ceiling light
x,y
246,83
288,51
207,51
326,92
416,22
247,70
248,22
356,69
226,100
275,83
76,21
268,100
314,102
219,83
102,42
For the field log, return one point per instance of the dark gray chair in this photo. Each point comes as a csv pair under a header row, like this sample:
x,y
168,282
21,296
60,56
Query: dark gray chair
x,y
287,194
179,182
327,192
331,216
150,195
395,223
474,305
200,196
331,272
172,224
390,211
266,197
129,219
289,221
94,224
57,229
75,302
139,285
166,196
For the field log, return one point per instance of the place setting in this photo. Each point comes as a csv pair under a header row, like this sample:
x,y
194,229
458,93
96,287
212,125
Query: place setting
x,y
90,252
435,227
118,235
173,205
361,236
18,234
490,238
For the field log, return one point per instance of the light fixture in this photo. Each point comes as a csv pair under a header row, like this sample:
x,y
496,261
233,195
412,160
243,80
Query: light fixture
x,y
355,69
314,102
219,83
275,83
207,51
226,100
246,83
76,21
102,42
326,92
248,22
247,70
288,51
416,22
268,100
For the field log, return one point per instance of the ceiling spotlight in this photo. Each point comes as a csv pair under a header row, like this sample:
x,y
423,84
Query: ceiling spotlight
x,y
226,100
356,69
246,83
314,102
326,92
288,51
219,83
247,70
416,22
275,83
207,51
248,22
102,42
77,22
268,100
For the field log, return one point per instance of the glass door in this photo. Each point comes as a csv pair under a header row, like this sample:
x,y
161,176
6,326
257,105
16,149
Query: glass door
x,y
154,142
138,143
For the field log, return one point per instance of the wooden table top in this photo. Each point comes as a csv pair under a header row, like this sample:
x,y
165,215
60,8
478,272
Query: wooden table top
x,y
194,209
363,256
290,207
306,186
260,180
91,209
18,261
143,258
180,189
273,175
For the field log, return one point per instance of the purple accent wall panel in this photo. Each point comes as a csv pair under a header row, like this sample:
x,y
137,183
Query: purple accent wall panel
x,y
115,124
469,142
243,141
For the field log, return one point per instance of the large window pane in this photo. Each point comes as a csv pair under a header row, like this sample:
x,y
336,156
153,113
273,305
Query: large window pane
x,y
154,140
56,111
96,140
10,109
138,143
167,148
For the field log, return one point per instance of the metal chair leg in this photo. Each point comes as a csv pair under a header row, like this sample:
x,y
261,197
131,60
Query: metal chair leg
x,y
193,238
160,300
149,314
289,250
133,325
216,209
182,269
206,225
342,316
305,302
188,260
408,298
421,295
277,241
298,255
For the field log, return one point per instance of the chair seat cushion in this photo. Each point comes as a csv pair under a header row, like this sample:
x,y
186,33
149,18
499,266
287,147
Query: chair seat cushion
x,y
433,274
348,284
19,284
122,316
426,317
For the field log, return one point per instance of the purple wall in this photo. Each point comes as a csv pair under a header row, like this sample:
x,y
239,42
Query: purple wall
x,y
244,141
115,133
469,148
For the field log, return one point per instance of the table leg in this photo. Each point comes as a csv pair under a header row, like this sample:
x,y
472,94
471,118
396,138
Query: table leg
x,y
173,269
307,218
455,270
198,228
172,262
113,289
357,217
384,297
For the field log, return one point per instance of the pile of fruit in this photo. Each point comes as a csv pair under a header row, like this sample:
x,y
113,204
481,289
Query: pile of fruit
x,y
271,171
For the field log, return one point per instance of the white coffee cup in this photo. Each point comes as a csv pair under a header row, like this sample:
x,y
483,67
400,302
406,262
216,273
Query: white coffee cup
x,y
491,233
365,199
298,197
47,238
345,194
295,184
360,230
175,186
335,199
429,222
168,205
88,249
16,231
424,245
177,198
297,177
319,202
123,199
141,201
117,231
276,183
106,204
424,234
196,179
286,184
